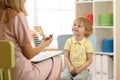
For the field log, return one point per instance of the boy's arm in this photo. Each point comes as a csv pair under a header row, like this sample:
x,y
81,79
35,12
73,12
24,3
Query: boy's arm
x,y
67,58
88,62
68,62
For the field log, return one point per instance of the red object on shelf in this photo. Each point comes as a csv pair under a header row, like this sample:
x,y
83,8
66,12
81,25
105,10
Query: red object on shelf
x,y
90,17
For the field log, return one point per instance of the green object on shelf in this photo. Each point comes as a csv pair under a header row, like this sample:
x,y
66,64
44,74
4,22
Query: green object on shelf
x,y
106,19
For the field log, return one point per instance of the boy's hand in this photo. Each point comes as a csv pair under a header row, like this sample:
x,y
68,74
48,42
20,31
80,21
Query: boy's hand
x,y
72,70
77,70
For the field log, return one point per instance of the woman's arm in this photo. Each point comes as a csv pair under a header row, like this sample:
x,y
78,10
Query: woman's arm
x,y
24,38
29,52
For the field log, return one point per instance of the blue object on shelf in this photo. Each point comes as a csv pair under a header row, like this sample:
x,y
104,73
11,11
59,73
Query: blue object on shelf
x,y
107,45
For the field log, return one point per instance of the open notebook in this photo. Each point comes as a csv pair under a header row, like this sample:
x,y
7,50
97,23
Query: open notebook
x,y
45,55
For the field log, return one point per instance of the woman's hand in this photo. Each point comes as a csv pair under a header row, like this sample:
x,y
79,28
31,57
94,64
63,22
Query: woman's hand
x,y
47,38
47,42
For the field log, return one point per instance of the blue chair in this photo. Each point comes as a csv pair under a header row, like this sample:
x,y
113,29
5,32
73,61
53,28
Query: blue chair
x,y
61,40
93,40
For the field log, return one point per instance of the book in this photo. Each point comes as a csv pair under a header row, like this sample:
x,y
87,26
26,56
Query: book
x,y
45,55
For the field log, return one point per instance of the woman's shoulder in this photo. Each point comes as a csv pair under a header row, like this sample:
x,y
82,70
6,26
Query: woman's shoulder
x,y
21,15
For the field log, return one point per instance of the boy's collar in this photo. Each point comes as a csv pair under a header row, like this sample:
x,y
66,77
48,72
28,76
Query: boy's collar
x,y
79,42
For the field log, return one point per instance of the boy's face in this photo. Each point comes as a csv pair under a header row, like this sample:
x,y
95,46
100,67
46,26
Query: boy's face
x,y
78,29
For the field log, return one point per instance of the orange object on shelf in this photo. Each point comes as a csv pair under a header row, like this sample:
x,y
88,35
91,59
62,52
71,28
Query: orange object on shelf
x,y
90,17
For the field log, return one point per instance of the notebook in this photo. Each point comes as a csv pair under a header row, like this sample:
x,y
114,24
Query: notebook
x,y
45,55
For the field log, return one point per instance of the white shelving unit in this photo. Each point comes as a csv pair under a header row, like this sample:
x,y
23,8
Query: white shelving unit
x,y
96,7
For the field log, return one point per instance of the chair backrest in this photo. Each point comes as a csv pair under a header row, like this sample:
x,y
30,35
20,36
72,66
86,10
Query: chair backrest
x,y
93,40
61,39
7,59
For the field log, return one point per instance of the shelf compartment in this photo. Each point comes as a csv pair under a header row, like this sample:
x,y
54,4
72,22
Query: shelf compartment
x,y
84,8
101,34
102,7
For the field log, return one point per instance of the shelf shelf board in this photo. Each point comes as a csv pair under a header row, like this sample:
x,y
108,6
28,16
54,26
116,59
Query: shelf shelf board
x,y
103,26
102,0
105,53
77,2
108,79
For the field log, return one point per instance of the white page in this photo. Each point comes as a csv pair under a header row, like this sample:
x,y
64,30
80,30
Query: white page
x,y
45,55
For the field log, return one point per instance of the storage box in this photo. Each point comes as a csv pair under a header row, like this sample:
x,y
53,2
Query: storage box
x,y
106,19
107,67
107,45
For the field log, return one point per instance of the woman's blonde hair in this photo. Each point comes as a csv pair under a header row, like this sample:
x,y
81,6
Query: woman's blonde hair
x,y
10,8
85,23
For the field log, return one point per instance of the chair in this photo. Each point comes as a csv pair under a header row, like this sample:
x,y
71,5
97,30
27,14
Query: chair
x,y
61,39
7,59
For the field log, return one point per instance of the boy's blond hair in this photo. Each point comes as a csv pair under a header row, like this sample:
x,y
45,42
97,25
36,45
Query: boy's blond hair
x,y
87,24
10,8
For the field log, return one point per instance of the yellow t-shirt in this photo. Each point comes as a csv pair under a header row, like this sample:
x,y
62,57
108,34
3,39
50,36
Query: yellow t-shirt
x,y
78,50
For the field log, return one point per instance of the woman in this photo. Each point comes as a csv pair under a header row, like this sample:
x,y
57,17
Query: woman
x,y
14,27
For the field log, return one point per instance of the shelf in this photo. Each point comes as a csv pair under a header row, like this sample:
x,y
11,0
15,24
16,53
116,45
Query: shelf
x,y
103,27
105,53
100,8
